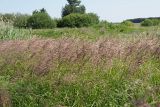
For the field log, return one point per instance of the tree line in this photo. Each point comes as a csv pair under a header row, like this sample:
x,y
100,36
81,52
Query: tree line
x,y
73,15
152,21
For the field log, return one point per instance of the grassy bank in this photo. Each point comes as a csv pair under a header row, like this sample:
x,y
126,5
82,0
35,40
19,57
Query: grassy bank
x,y
78,73
79,67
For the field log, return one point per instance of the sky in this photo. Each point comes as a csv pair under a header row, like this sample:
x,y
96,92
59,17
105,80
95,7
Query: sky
x,y
110,10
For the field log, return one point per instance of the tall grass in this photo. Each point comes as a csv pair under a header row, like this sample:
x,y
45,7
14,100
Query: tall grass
x,y
8,32
77,73
96,33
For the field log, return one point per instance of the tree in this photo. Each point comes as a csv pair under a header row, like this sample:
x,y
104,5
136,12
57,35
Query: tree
x,y
73,6
39,11
147,22
78,20
127,23
43,10
74,2
41,19
21,20
8,17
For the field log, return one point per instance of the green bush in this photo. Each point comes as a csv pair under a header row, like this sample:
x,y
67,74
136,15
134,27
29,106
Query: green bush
x,y
8,17
155,22
78,20
73,6
41,21
21,21
150,22
8,32
127,23
102,24
93,18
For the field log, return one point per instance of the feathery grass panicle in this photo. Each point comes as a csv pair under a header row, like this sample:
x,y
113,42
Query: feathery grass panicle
x,y
74,72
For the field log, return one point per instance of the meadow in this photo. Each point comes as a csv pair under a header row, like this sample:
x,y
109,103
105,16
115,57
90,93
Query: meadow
x,y
96,66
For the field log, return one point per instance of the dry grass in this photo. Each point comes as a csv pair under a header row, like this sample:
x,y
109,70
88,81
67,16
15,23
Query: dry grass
x,y
4,98
73,72
49,53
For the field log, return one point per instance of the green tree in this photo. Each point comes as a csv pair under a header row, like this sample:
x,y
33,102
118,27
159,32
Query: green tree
x,y
78,20
43,10
155,22
41,19
147,22
73,6
94,18
21,20
127,23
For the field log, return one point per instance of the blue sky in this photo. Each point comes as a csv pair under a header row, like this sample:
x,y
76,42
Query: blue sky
x,y
111,10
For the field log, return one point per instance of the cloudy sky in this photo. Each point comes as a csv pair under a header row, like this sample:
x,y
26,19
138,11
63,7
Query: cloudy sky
x,y
111,10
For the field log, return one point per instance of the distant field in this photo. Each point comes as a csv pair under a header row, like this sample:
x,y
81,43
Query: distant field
x,y
90,33
80,67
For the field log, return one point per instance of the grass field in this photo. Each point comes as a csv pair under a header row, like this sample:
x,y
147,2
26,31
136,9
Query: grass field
x,y
80,67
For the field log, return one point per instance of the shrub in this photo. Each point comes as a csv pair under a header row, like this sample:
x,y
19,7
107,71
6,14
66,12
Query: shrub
x,y
78,20
94,18
127,23
155,22
21,21
147,22
40,21
59,22
8,32
150,22
8,17
102,24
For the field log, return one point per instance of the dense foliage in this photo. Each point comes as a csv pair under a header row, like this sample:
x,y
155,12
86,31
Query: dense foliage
x,y
74,73
127,23
79,20
21,20
41,19
122,70
9,32
139,20
150,22
103,65
8,17
73,6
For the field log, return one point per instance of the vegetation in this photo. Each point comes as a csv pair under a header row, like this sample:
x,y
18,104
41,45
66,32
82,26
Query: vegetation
x,y
109,72
73,15
78,20
84,63
8,32
8,17
20,21
127,23
147,22
150,22
139,20
41,19
116,71
73,6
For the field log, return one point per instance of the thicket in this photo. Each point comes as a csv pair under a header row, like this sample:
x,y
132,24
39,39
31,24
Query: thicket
x,y
150,22
20,20
73,6
40,19
128,23
76,73
78,20
9,32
